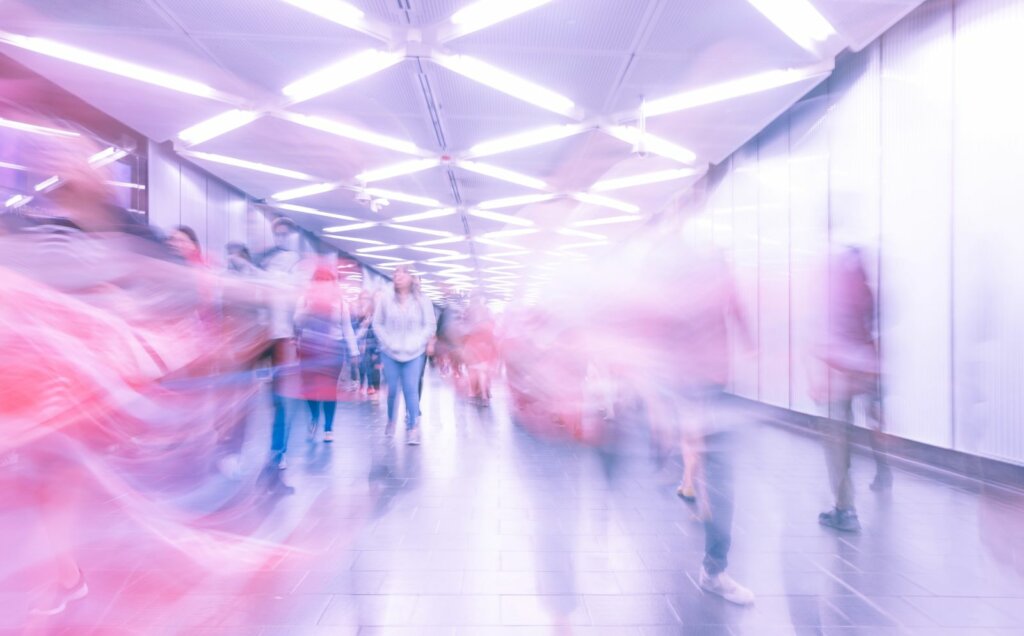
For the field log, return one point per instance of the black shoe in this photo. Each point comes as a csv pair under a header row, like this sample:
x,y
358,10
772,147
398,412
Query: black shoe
x,y
57,603
843,520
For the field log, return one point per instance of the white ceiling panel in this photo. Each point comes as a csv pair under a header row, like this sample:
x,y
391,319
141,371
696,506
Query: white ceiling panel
x,y
458,96
395,91
121,15
252,17
419,13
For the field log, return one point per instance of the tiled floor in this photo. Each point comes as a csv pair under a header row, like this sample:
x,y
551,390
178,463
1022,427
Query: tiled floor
x,y
486,530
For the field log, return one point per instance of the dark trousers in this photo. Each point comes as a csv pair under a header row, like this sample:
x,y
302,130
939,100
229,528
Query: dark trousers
x,y
717,489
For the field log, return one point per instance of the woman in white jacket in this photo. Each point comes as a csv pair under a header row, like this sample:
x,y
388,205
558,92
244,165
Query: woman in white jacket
x,y
404,323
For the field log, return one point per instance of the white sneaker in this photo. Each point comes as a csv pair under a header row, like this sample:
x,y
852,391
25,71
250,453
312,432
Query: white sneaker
x,y
328,437
413,437
723,585
282,464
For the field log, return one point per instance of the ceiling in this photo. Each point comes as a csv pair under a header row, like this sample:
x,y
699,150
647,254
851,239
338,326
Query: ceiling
x,y
424,86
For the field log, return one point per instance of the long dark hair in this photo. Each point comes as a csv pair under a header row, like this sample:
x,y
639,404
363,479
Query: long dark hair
x,y
191,234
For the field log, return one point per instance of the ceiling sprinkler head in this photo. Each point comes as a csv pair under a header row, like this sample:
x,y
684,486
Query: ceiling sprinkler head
x,y
377,204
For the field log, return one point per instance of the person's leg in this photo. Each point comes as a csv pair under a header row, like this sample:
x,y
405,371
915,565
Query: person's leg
x,y
393,377
279,437
883,474
838,454
412,375
330,407
717,492
314,412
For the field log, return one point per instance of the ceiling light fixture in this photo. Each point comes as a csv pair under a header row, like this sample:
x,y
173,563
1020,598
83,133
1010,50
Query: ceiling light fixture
x,y
248,165
421,230
505,82
606,202
507,233
645,141
498,216
304,191
503,174
17,200
572,246
590,235
110,65
312,211
431,250
353,239
443,241
642,179
798,19
734,88
525,139
38,130
485,13
354,133
495,259
42,185
341,73
510,202
608,220
351,227
430,214
450,257
217,126
334,10
377,248
106,156
488,241
397,170
401,196
385,258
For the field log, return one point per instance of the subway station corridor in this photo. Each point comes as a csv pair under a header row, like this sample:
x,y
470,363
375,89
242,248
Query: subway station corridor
x,y
485,529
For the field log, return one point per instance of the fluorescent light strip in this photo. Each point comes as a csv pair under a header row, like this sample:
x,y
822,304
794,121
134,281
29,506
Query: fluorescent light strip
x,y
572,246
581,233
351,227
798,19
501,268
507,233
525,139
397,170
125,184
495,259
413,228
486,241
510,202
341,73
433,250
441,264
42,185
515,252
352,132
38,130
378,248
385,258
248,165
429,214
451,257
606,202
304,191
334,10
17,200
484,13
505,82
217,126
443,241
313,211
503,174
498,216
401,196
353,239
652,143
642,179
13,166
106,156
110,65
396,264
733,88
608,220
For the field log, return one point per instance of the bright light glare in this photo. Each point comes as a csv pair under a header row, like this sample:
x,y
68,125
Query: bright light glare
x,y
378,248
652,143
484,13
38,130
110,65
304,191
498,216
524,139
443,241
385,258
505,82
606,202
342,73
397,170
301,209
503,174
351,227
401,196
42,185
421,230
733,88
798,19
510,202
429,214
248,165
334,10
353,239
642,179
507,233
106,156
608,220
590,235
217,126
352,132
18,199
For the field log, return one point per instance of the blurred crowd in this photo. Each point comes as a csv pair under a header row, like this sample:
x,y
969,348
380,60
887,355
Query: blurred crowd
x,y
144,367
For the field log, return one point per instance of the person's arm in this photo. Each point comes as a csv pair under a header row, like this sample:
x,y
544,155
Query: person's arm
x,y
429,320
380,330
346,329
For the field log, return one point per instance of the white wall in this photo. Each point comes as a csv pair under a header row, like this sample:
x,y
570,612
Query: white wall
x,y
912,150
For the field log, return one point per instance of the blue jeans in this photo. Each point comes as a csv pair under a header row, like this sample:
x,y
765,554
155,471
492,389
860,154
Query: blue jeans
x,y
404,376
716,462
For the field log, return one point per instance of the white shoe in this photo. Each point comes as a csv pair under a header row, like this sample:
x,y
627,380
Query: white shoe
x,y
389,430
282,464
328,437
413,437
723,585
